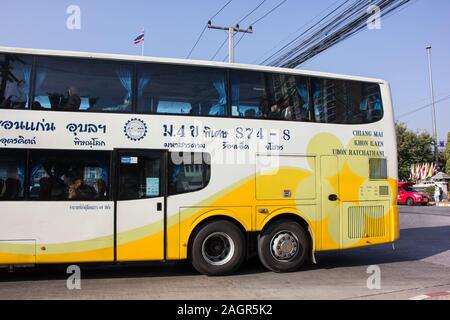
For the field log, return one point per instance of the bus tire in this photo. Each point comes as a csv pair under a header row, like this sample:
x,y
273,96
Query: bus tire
x,y
218,248
283,246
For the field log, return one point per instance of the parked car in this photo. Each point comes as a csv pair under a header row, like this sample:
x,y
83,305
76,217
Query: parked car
x,y
410,196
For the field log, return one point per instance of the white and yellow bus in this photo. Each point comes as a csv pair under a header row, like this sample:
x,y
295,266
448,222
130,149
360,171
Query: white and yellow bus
x,y
113,158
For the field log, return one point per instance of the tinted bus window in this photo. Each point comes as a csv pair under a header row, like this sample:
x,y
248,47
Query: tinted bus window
x,y
12,174
140,177
172,89
188,172
346,102
270,96
69,175
82,85
15,74
249,95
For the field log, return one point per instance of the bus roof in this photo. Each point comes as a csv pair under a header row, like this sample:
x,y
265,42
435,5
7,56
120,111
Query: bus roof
x,y
120,57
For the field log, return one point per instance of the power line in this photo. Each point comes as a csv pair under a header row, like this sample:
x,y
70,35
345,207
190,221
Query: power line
x,y
242,19
296,31
307,30
270,11
341,24
205,27
250,13
259,19
220,48
422,108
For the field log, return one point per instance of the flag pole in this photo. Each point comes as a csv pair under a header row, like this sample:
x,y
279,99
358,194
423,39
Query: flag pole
x,y
143,42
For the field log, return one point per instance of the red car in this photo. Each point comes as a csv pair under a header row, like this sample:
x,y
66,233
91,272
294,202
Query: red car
x,y
409,196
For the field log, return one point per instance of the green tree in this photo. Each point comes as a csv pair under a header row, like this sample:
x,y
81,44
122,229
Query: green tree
x,y
413,147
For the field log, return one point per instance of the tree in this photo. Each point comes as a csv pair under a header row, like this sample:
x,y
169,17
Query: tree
x,y
447,154
413,148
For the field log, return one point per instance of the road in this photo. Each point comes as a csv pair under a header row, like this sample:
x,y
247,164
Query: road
x,y
420,264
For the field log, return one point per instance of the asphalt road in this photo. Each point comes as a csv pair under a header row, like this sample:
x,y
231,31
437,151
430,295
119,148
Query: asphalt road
x,y
420,264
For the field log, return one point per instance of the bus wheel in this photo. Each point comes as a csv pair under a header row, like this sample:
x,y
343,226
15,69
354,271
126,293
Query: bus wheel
x,y
410,202
283,246
218,249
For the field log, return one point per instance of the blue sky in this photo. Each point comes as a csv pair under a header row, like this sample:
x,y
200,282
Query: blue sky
x,y
395,53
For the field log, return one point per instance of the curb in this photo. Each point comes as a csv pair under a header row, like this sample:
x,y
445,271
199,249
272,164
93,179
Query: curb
x,y
445,204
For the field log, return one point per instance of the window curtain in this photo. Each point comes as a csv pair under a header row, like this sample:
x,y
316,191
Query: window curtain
x,y
26,70
302,91
41,74
235,91
219,108
318,109
144,80
125,78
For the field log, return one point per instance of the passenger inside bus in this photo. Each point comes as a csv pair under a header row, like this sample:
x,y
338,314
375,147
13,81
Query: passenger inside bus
x,y
12,185
73,100
275,111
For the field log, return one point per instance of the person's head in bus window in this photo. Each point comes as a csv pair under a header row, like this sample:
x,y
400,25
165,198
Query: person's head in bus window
x,y
13,183
74,188
275,110
287,110
265,107
45,188
73,100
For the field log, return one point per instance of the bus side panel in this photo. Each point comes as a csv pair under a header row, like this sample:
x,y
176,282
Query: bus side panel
x,y
17,251
64,232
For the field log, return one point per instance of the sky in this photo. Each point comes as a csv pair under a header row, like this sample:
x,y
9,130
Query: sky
x,y
396,52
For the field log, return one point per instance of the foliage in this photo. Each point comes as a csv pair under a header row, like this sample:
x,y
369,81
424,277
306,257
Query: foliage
x,y
430,191
413,147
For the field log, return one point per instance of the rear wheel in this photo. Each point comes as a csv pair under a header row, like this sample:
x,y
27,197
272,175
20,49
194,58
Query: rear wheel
x,y
218,248
283,246
410,202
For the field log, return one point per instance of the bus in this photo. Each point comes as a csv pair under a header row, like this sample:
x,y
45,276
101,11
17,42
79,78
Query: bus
x,y
109,158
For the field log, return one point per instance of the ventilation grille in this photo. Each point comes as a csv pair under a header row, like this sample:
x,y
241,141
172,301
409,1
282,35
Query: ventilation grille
x,y
366,222
384,190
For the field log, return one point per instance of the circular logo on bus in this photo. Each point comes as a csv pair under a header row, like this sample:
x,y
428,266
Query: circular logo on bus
x,y
135,129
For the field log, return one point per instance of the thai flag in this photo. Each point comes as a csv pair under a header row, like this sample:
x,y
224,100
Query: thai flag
x,y
140,38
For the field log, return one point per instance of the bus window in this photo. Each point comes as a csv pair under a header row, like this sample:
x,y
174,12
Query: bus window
x,y
175,89
378,169
15,74
140,177
69,175
249,96
270,96
82,85
188,172
346,102
12,174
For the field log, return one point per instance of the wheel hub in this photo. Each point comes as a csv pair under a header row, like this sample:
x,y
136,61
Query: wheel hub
x,y
284,246
218,248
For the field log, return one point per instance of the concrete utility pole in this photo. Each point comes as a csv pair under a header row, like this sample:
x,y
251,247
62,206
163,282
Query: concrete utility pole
x,y
231,31
433,108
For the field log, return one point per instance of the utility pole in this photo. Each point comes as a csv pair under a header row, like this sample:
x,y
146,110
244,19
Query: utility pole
x,y
433,107
231,32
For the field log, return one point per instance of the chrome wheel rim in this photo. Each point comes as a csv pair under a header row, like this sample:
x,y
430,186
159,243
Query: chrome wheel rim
x,y
218,248
284,246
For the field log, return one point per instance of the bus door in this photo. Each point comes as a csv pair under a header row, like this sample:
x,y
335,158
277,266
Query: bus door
x,y
331,219
141,195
